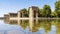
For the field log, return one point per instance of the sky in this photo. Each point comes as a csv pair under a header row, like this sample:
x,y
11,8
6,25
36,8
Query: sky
x,y
7,6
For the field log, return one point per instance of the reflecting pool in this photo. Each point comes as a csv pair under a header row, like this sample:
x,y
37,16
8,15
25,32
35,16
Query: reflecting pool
x,y
41,26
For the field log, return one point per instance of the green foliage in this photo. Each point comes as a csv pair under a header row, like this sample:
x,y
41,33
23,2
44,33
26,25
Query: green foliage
x,y
40,13
25,12
46,11
54,14
57,8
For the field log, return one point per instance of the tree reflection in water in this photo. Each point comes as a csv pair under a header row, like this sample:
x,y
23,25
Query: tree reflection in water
x,y
24,23
35,25
57,26
45,24
56,23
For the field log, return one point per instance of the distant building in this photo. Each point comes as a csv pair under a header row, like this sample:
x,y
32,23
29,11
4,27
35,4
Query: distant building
x,y
12,15
6,18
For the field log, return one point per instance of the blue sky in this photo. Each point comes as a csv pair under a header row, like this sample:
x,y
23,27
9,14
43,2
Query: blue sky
x,y
7,6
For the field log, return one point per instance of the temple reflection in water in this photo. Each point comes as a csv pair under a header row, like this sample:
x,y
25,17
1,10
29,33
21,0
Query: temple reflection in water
x,y
35,25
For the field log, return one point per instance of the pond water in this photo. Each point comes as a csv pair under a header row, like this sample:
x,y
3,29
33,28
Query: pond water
x,y
42,26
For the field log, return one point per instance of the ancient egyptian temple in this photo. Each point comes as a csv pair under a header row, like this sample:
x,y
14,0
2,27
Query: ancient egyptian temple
x,y
33,13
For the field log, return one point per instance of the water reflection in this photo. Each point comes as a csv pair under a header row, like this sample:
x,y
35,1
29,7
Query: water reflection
x,y
23,23
35,25
57,26
46,25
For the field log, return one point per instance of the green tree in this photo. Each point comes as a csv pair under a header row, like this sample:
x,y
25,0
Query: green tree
x,y
53,14
25,12
39,12
28,11
57,8
46,11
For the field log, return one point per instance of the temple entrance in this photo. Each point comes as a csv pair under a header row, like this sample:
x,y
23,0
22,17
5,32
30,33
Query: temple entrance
x,y
34,14
21,15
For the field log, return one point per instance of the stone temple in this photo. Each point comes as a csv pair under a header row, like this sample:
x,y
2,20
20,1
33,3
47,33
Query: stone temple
x,y
33,13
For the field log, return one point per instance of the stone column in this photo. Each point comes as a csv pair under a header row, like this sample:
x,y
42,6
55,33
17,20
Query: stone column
x,y
36,14
18,15
31,13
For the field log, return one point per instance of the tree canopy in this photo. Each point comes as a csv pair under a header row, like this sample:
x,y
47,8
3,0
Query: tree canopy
x,y
45,11
57,8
